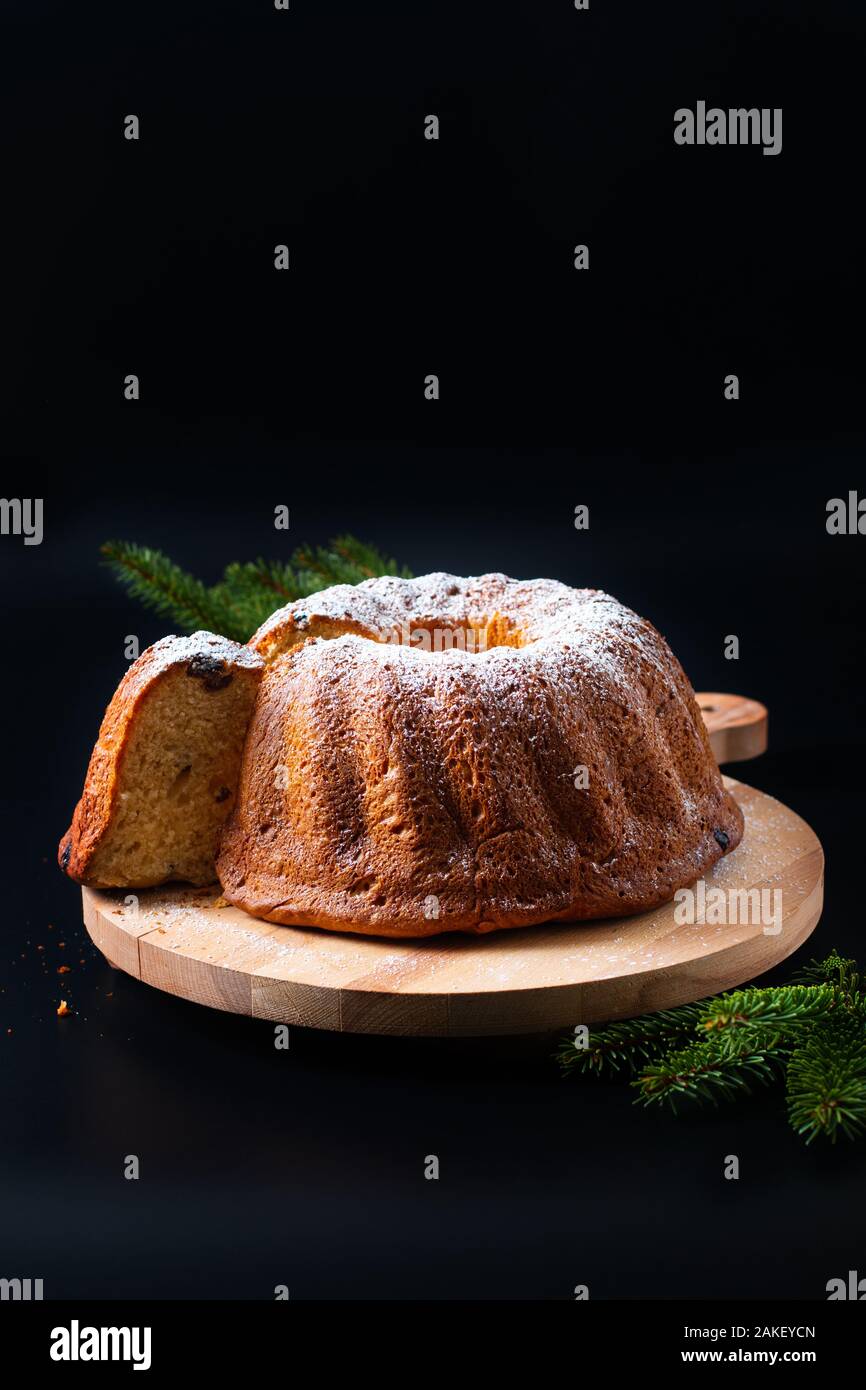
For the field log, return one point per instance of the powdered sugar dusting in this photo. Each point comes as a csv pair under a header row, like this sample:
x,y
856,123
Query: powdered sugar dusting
x,y
172,650
421,771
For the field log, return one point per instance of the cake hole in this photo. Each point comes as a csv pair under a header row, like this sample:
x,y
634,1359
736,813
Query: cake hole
x,y
435,638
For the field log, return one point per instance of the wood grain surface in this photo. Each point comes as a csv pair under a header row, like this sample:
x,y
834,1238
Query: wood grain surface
x,y
737,726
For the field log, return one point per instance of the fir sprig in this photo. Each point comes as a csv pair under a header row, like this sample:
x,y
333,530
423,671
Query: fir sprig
x,y
703,1071
248,591
626,1046
840,972
826,1081
764,1019
812,1032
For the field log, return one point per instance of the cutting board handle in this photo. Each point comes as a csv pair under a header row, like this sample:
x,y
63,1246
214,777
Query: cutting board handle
x,y
737,727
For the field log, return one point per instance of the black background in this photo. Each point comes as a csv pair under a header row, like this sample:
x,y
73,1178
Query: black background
x,y
306,388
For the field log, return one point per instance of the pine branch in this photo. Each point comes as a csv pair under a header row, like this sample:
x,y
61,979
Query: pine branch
x,y
813,1031
703,1071
842,973
629,1044
756,1020
366,559
248,592
345,561
164,587
765,1020
826,1082
254,589
280,581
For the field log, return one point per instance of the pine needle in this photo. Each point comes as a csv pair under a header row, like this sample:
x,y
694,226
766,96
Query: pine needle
x,y
812,1031
629,1044
765,1020
249,591
704,1071
163,586
840,972
827,1081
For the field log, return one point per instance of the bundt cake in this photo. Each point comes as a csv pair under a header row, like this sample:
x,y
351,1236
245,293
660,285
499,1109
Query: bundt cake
x,y
447,754
163,775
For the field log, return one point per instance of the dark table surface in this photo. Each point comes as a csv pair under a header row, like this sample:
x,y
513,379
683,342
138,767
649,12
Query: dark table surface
x,y
306,1167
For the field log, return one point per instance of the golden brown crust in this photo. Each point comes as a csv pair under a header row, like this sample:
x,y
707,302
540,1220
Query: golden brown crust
x,y
392,785
392,788
499,610
208,659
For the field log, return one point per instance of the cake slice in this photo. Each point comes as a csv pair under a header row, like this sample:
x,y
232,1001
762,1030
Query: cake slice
x,y
163,775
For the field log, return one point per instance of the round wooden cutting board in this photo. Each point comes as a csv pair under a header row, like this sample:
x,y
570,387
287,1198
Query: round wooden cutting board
x,y
187,942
